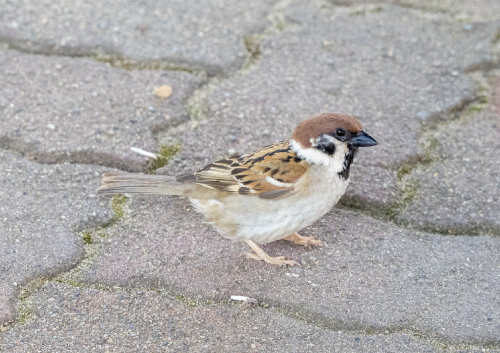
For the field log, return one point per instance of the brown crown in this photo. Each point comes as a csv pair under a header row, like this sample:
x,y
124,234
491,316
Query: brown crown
x,y
323,124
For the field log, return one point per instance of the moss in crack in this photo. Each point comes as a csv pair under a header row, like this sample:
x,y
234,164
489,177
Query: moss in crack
x,y
365,10
252,45
117,205
24,312
196,106
165,153
398,206
91,253
479,104
121,62
87,238
77,284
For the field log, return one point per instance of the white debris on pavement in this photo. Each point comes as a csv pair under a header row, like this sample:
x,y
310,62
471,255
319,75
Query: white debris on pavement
x,y
143,153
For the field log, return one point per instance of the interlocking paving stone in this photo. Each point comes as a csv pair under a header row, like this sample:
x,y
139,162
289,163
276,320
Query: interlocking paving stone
x,y
57,109
372,276
205,34
395,68
460,191
41,208
121,321
462,10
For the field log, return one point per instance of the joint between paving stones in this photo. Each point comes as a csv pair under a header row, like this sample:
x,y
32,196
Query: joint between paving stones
x,y
111,58
408,189
429,156
90,254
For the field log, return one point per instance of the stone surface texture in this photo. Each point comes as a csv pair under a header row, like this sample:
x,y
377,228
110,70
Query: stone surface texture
x,y
206,34
42,207
135,321
461,10
412,255
460,191
58,109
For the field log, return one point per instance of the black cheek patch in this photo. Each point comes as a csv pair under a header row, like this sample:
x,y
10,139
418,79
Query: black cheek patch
x,y
326,145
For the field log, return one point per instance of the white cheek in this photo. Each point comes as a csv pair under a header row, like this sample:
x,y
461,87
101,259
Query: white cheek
x,y
314,156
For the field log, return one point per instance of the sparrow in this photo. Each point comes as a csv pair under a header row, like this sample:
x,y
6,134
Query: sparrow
x,y
269,194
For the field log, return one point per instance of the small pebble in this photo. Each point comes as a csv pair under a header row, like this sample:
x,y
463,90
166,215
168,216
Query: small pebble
x,y
163,92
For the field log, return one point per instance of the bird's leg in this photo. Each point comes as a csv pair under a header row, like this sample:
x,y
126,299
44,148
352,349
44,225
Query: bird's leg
x,y
261,255
306,241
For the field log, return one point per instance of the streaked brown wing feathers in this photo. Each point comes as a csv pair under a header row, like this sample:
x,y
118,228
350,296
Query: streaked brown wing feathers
x,y
270,173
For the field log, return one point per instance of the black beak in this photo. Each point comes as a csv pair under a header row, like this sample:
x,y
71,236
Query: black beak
x,y
363,140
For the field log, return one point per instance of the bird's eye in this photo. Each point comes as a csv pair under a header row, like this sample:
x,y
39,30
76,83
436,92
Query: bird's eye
x,y
340,132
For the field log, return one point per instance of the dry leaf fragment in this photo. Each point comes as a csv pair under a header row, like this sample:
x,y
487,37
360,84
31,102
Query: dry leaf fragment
x,y
163,91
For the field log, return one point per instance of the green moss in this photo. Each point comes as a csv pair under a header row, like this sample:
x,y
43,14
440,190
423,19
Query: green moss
x,y
165,153
405,198
87,238
102,233
122,62
117,205
24,313
253,46
366,10
196,106
479,105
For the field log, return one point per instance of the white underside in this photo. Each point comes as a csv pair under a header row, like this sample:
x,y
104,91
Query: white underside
x,y
240,218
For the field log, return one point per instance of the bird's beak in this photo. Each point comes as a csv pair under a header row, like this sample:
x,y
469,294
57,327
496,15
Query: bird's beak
x,y
363,140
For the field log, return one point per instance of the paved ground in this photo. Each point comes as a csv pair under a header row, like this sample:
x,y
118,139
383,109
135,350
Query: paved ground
x,y
413,256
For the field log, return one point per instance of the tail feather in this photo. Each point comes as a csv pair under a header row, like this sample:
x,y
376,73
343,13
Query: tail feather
x,y
128,183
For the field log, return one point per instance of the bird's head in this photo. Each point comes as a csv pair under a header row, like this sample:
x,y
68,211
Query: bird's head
x,y
330,139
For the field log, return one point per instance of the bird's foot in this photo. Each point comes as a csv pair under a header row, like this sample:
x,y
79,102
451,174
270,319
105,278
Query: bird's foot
x,y
260,255
305,241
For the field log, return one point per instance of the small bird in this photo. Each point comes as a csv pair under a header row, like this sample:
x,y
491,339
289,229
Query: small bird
x,y
269,194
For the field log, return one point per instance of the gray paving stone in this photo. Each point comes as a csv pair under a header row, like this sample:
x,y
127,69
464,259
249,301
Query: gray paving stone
x,y
397,69
460,191
207,34
57,109
372,276
131,321
462,10
41,208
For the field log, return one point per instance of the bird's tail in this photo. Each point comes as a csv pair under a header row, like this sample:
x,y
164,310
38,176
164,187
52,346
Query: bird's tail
x,y
128,183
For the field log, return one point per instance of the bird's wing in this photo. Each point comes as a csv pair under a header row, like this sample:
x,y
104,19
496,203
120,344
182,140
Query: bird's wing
x,y
269,173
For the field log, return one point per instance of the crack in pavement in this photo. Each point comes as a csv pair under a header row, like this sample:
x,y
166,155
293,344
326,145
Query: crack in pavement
x,y
407,190
25,313
110,57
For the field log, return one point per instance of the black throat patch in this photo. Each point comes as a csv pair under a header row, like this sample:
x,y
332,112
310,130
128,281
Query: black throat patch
x,y
348,159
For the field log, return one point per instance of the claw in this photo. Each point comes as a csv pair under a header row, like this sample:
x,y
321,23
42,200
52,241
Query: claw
x,y
260,255
305,241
